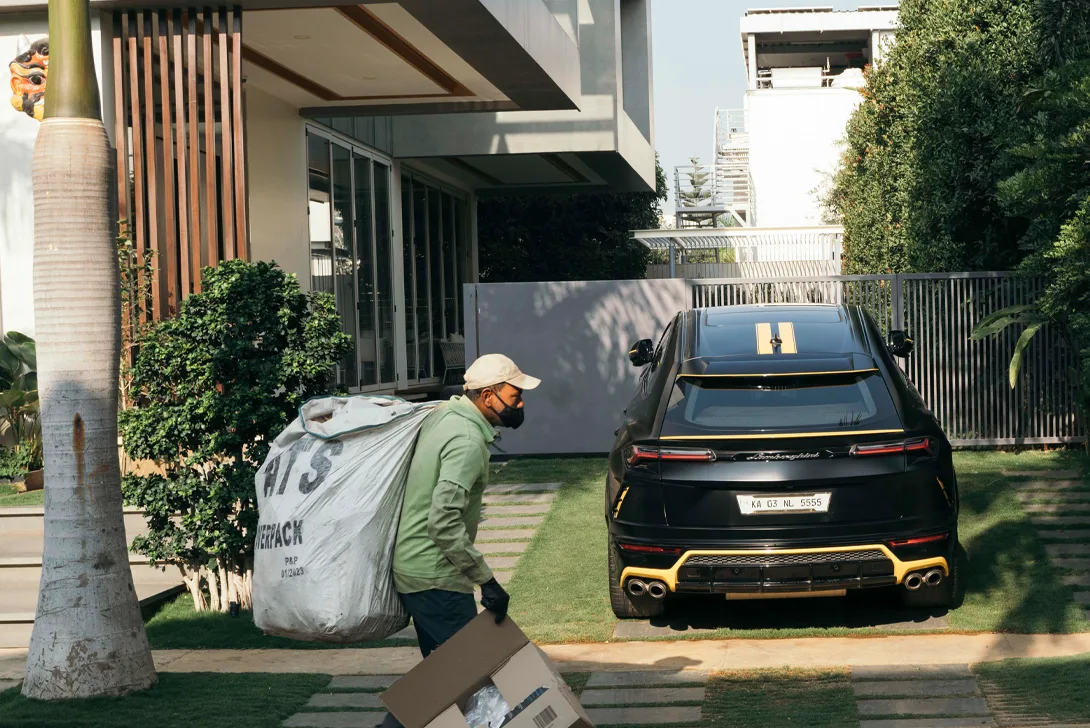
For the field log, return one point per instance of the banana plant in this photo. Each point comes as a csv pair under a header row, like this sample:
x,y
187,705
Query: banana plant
x,y
19,394
1027,315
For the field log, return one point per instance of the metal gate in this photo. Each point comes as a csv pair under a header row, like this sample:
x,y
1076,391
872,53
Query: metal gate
x,y
964,382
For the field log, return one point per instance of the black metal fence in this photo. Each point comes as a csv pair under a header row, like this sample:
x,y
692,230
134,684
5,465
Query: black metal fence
x,y
965,382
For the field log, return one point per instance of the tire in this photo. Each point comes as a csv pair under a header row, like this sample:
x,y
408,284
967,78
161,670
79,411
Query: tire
x,y
626,606
947,595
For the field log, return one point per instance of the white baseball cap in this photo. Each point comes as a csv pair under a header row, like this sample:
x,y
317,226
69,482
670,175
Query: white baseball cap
x,y
492,369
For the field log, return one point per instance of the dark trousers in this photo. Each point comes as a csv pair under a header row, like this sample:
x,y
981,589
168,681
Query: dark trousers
x,y
437,615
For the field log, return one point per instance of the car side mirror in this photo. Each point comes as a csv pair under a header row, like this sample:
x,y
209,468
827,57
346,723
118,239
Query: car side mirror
x,y
900,343
642,353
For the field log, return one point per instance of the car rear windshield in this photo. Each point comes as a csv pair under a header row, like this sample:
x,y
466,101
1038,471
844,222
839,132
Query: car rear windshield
x,y
701,406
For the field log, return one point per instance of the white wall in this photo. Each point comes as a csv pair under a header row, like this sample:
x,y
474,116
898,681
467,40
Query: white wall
x,y
276,158
794,144
17,134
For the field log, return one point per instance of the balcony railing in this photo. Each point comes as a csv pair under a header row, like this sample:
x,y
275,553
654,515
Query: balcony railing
x,y
712,187
811,77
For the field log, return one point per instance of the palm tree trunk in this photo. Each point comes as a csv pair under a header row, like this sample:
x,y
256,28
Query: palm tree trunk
x,y
88,636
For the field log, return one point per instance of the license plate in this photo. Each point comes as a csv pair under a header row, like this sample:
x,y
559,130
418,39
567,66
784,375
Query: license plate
x,y
754,505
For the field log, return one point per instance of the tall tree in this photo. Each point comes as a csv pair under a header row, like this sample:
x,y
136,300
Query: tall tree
x,y
584,236
88,636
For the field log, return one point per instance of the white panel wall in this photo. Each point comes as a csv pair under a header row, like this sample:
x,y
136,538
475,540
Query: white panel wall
x,y
794,144
276,157
17,134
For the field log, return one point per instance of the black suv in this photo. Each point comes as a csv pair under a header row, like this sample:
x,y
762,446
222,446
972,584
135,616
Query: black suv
x,y
778,450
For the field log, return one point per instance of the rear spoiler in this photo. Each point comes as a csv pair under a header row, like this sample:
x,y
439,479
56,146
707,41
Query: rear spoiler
x,y
779,366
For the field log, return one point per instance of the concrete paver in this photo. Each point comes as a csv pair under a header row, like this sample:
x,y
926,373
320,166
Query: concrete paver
x,y
924,706
1061,535
637,696
502,547
355,719
928,722
1068,549
362,682
344,700
1057,508
1052,485
519,534
508,488
1057,474
502,498
8,684
909,672
1071,496
1073,564
637,679
505,510
490,522
502,562
738,654
643,716
1083,598
1082,580
916,688
1082,522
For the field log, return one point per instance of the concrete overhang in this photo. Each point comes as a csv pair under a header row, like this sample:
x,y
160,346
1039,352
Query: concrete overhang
x,y
395,57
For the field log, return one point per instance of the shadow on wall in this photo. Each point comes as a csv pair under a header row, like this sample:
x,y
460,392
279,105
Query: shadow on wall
x,y
575,336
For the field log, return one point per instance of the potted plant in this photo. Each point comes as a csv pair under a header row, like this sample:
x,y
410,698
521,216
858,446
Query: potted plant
x,y
19,403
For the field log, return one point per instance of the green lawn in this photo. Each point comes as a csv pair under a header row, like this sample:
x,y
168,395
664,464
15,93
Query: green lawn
x,y
9,496
559,588
178,627
179,700
1053,688
777,698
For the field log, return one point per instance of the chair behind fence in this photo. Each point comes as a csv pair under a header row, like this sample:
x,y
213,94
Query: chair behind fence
x,y
964,382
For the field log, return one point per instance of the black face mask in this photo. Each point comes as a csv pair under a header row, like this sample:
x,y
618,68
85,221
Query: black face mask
x,y
512,417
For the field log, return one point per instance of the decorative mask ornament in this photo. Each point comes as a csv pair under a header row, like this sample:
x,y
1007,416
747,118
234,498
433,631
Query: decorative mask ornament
x,y
28,75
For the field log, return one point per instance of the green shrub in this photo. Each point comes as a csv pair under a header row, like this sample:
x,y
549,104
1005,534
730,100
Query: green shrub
x,y
212,388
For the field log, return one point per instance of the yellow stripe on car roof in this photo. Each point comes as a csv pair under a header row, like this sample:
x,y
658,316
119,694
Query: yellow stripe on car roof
x,y
782,436
787,337
764,338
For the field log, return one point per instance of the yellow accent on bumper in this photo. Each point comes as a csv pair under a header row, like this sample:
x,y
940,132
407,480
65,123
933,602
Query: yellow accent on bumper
x,y
669,576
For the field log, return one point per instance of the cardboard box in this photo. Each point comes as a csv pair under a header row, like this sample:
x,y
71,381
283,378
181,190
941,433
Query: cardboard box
x,y
483,653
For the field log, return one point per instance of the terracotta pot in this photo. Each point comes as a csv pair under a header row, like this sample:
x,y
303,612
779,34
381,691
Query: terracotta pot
x,y
35,480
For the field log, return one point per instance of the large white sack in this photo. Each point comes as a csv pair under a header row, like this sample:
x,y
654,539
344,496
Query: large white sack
x,y
329,496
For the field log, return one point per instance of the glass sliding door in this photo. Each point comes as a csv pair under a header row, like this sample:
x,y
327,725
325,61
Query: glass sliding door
x,y
365,276
435,268
421,282
319,208
351,254
384,274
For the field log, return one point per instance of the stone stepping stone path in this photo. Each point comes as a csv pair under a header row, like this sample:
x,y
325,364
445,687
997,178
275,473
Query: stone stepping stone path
x,y
9,684
924,696
349,701
1059,506
644,698
512,512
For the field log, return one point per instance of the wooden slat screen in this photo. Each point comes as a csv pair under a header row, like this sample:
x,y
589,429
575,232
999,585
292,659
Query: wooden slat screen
x,y
179,136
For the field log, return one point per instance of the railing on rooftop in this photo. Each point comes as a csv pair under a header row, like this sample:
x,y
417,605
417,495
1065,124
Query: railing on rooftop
x,y
731,135
811,77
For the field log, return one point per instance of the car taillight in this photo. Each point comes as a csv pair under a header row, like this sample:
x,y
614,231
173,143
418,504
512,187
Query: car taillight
x,y
916,446
918,541
642,453
639,549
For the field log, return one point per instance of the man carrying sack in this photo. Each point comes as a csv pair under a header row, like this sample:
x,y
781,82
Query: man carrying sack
x,y
436,565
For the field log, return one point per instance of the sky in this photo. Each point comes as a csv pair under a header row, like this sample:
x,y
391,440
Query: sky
x,y
696,54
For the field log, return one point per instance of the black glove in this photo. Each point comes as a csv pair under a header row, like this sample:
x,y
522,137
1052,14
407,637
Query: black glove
x,y
495,599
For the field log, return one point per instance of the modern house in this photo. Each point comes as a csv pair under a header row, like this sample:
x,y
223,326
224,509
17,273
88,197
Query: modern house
x,y
349,143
